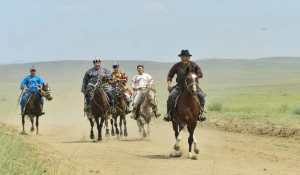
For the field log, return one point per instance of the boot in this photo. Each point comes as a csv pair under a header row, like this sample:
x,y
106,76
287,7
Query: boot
x,y
22,110
156,112
168,117
112,108
133,114
202,117
128,110
42,113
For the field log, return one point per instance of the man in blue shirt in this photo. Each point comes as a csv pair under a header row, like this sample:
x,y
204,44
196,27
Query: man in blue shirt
x,y
31,83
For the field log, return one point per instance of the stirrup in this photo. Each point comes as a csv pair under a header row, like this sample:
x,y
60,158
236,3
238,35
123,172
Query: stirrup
x,y
167,118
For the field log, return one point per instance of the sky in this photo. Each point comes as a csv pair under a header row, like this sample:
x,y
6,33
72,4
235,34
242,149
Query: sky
x,y
35,30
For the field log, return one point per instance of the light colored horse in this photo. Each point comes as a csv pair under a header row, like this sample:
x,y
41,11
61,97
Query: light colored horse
x,y
145,111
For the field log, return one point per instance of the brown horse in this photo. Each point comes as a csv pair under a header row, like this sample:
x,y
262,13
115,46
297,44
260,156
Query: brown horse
x,y
119,90
99,106
33,108
186,114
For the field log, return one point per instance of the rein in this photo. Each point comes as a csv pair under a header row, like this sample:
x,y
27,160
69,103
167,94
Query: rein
x,y
194,96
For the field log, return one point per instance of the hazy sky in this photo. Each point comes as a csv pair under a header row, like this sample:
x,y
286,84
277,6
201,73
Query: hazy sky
x,y
148,30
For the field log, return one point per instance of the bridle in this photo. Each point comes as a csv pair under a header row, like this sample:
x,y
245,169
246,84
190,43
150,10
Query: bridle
x,y
44,93
192,93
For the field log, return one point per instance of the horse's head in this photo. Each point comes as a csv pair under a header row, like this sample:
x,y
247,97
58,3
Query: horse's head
x,y
150,94
46,92
118,88
191,81
93,83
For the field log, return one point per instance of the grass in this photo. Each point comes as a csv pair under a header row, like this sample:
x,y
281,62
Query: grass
x,y
296,111
215,106
17,157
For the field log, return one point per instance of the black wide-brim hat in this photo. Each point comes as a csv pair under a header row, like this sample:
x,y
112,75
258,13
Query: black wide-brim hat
x,y
184,53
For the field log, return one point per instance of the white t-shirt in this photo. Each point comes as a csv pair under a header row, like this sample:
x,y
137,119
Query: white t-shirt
x,y
141,80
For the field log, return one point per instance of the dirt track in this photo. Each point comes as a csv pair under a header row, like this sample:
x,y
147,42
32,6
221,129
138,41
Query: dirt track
x,y
220,152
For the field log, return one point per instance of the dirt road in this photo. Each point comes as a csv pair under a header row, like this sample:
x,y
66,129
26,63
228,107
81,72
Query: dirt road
x,y
220,152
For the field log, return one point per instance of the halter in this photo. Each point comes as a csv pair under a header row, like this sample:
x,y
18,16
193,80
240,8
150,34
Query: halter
x,y
194,96
44,93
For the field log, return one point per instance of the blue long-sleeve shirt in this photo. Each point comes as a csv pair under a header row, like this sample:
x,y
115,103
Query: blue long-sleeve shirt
x,y
30,82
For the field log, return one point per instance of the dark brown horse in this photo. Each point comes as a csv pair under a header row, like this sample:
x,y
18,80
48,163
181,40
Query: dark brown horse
x,y
99,106
186,114
33,108
119,90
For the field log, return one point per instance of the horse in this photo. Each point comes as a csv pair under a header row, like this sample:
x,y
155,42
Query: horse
x,y
33,108
186,114
145,112
99,103
119,90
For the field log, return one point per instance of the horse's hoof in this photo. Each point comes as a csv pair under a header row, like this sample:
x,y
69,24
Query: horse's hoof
x,y
176,154
23,133
193,157
113,133
176,148
37,133
107,135
32,129
92,137
126,134
197,151
99,138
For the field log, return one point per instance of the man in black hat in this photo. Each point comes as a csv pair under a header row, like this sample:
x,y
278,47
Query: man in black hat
x,y
180,70
104,76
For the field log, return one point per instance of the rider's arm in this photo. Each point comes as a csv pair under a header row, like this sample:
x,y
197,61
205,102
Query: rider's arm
x,y
133,82
172,73
108,74
198,71
85,81
40,81
24,82
150,79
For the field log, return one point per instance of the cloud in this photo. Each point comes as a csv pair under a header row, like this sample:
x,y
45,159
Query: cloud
x,y
157,6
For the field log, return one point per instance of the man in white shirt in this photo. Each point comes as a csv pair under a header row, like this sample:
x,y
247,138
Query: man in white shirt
x,y
139,82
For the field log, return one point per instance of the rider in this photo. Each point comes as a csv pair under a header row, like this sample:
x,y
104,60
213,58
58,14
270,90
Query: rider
x,y
122,77
31,82
179,69
138,83
103,76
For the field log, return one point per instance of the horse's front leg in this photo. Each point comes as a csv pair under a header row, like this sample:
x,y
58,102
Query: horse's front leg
x,y
23,123
120,125
99,126
191,129
116,126
37,125
125,126
32,121
112,126
177,152
107,134
92,131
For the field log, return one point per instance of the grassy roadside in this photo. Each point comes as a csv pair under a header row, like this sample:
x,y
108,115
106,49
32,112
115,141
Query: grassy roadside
x,y
19,157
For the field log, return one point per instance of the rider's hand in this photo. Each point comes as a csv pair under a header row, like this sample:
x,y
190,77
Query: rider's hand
x,y
102,75
23,87
169,87
135,89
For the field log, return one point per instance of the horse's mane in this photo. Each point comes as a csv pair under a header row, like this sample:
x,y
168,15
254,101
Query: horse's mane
x,y
151,87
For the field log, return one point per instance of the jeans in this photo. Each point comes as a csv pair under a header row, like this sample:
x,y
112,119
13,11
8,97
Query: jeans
x,y
172,97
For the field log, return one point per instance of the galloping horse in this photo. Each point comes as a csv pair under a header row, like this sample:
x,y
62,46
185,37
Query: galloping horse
x,y
33,107
99,106
186,114
119,89
145,112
